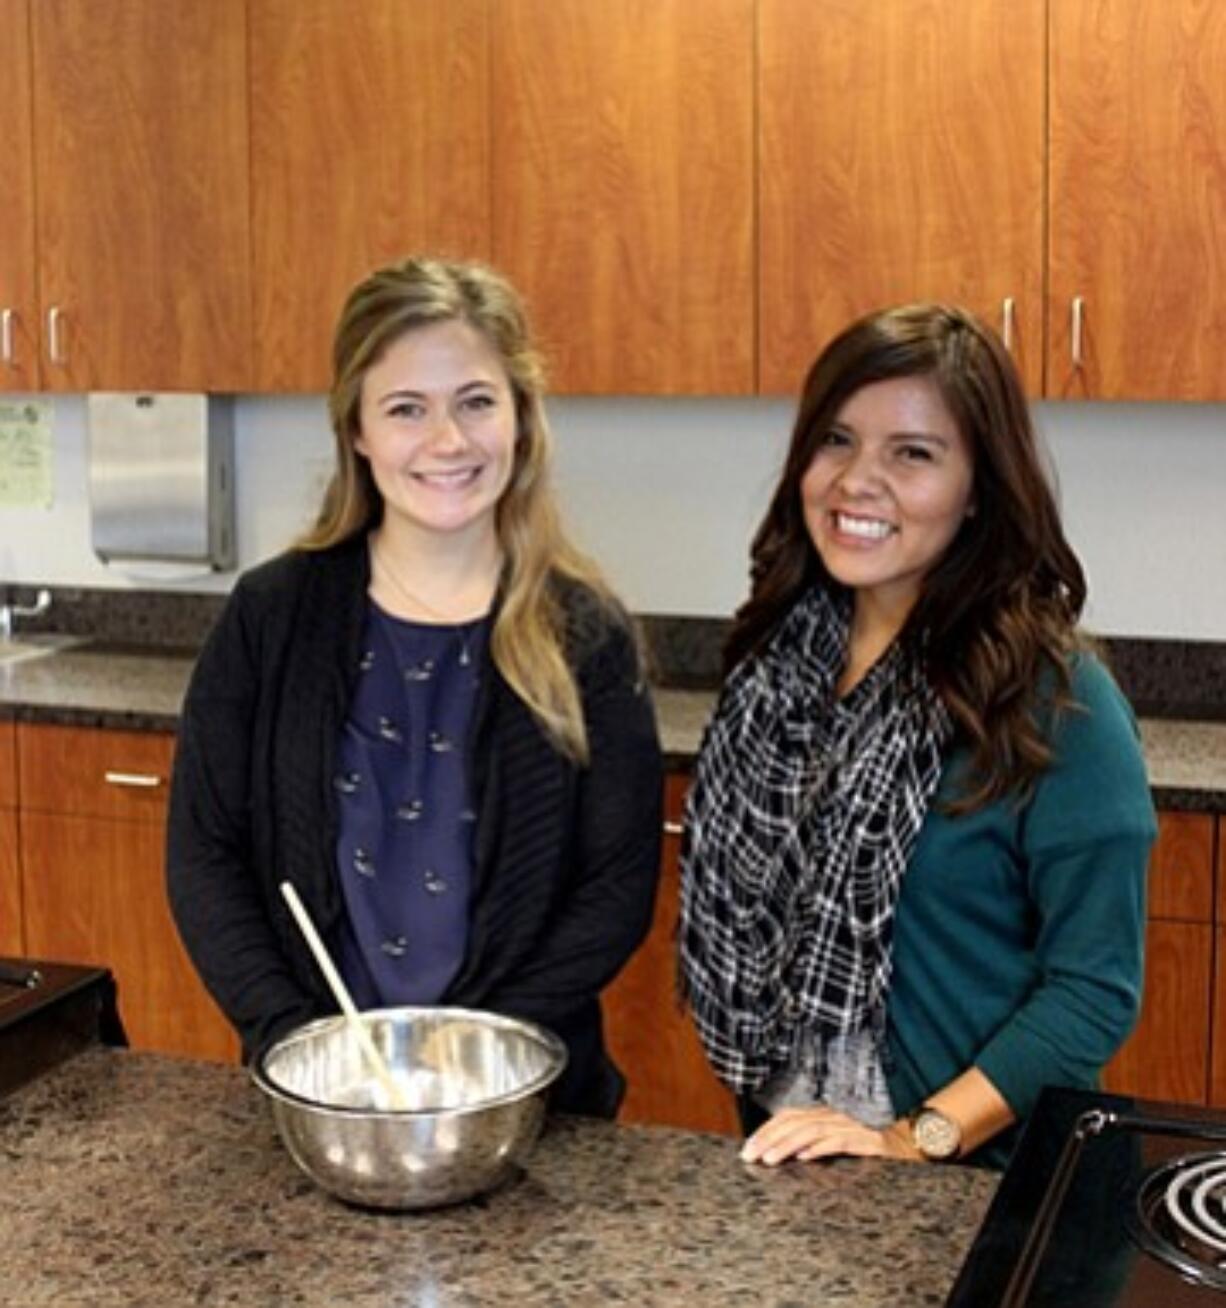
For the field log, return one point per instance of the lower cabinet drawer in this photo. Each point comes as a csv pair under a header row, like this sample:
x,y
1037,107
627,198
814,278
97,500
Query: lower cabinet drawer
x,y
98,773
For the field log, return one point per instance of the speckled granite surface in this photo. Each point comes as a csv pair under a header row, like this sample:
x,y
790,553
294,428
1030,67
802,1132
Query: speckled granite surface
x,y
1186,761
136,1179
94,686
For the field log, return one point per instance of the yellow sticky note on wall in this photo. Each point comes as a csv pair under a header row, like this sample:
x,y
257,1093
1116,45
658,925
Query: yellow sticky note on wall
x,y
26,474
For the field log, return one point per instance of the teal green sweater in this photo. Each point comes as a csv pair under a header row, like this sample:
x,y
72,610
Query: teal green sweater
x,y
1019,932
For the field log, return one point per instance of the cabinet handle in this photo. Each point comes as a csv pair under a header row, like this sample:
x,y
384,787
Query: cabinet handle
x,y
1078,316
6,336
137,780
54,314
673,828
1006,322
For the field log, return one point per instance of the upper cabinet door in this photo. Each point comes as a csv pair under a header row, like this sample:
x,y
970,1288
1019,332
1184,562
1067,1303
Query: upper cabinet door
x,y
141,158
901,159
622,188
369,143
18,290
1137,297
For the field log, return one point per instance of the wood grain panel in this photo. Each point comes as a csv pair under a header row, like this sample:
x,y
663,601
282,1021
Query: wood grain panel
x,y
1220,862
1138,198
64,770
649,1036
12,934
369,142
622,188
1217,1080
18,289
141,159
94,893
901,158
8,764
1167,1056
12,938
1181,868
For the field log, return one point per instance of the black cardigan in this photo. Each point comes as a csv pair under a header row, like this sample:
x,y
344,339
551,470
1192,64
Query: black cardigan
x,y
566,857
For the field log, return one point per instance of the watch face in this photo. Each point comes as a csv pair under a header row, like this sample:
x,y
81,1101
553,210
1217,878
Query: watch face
x,y
936,1136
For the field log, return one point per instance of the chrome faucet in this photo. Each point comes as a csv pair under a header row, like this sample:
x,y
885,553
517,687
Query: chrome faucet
x,y
42,602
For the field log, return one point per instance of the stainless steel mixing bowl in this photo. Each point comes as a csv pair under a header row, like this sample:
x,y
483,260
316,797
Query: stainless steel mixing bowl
x,y
474,1084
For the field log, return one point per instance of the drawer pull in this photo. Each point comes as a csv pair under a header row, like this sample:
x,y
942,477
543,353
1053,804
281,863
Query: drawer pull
x,y
1078,315
55,347
1006,325
673,828
136,780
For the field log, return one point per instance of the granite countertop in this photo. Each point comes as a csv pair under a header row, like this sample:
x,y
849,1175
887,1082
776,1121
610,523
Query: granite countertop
x,y
1186,761
135,1178
97,686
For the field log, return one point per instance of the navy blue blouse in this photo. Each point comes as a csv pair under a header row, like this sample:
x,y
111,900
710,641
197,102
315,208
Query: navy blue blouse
x,y
405,844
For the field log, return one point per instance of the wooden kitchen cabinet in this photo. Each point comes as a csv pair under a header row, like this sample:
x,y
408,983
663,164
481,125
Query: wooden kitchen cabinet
x,y
11,935
92,837
651,1039
369,142
622,197
1168,1054
18,285
901,158
140,175
1137,173
1217,1067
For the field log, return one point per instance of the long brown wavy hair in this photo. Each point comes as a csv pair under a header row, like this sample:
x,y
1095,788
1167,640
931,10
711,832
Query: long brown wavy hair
x,y
996,620
527,643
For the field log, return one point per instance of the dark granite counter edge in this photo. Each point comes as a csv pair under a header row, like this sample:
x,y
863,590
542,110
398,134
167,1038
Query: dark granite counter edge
x,y
112,719
1184,799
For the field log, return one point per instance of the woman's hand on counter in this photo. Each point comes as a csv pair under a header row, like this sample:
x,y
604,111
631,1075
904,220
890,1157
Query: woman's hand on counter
x,y
817,1131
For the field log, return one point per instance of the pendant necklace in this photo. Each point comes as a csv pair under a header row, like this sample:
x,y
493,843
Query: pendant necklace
x,y
459,628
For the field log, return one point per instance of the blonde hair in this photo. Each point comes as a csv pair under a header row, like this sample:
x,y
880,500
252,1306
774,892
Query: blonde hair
x,y
528,642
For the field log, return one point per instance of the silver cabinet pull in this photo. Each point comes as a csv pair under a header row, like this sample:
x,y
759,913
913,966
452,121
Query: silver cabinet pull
x,y
54,314
1078,316
673,828
136,780
6,336
1006,322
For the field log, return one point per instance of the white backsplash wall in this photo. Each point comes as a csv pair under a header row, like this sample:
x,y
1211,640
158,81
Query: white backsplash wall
x,y
666,494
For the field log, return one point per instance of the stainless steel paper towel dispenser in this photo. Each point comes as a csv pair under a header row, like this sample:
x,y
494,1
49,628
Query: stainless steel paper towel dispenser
x,y
161,480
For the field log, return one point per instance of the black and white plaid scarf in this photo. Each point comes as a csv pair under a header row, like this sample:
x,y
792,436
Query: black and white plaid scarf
x,y
800,822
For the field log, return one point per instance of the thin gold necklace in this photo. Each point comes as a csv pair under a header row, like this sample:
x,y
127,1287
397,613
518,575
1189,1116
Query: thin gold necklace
x,y
416,600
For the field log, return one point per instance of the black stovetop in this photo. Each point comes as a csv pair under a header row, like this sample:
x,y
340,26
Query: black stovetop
x,y
1068,1227
49,1011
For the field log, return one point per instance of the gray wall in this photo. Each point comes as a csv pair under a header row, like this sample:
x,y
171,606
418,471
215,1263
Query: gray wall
x,y
666,493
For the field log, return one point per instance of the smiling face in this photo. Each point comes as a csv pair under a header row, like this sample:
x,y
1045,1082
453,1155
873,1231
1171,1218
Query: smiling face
x,y
888,488
438,427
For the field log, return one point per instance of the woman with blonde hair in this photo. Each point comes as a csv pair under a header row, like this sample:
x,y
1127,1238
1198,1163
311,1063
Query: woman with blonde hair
x,y
430,715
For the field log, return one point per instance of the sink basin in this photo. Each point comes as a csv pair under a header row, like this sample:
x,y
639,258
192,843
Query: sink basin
x,y
35,645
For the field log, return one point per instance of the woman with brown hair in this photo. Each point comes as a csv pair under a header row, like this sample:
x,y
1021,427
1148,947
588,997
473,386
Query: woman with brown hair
x,y
429,715
915,851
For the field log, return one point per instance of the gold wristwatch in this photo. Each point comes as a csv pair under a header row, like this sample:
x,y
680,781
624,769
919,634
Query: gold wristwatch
x,y
937,1136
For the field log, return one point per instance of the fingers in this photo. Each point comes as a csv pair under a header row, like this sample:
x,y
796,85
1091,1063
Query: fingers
x,y
810,1133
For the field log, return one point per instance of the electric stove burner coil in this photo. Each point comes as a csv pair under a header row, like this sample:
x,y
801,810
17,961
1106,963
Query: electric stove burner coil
x,y
1180,1216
